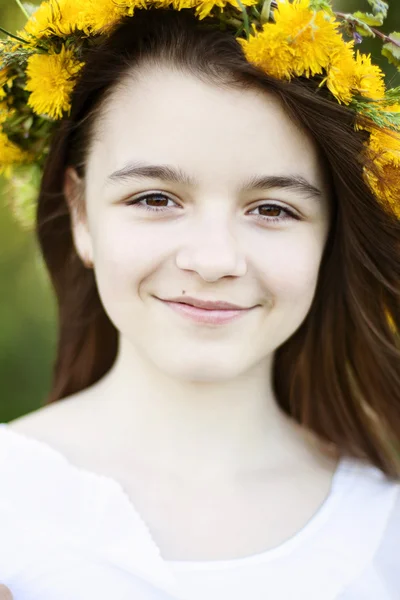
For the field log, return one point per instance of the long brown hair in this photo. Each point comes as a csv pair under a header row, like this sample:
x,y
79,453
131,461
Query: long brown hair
x,y
339,374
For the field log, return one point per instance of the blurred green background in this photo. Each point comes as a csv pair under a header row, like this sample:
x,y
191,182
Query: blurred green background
x,y
27,307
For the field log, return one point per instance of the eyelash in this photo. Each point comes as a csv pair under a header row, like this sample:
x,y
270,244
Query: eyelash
x,y
289,213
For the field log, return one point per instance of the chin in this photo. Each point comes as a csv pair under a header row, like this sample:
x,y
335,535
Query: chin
x,y
206,370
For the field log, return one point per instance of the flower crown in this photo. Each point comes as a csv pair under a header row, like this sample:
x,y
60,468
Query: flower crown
x,y
40,65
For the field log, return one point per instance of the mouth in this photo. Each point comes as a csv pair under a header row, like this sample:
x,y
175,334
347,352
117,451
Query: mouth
x,y
208,304
206,315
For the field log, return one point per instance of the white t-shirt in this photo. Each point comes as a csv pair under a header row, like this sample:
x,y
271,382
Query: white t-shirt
x,y
69,534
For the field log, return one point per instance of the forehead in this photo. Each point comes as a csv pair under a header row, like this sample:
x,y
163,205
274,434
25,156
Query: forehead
x,y
217,134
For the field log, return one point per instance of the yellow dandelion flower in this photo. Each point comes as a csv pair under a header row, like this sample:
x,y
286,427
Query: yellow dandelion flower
x,y
300,42
177,4
205,7
3,76
385,145
5,112
269,50
5,79
341,73
54,17
51,79
313,35
385,187
384,149
392,108
99,16
369,79
10,155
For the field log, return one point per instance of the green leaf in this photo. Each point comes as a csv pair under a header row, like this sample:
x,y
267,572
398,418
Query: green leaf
x,y
368,19
364,30
386,119
379,7
351,23
391,51
392,95
321,5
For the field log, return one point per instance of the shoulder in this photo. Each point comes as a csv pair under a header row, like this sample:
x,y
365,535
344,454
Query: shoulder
x,y
378,575
41,487
375,493
48,507
33,445
376,513
53,415
390,543
62,426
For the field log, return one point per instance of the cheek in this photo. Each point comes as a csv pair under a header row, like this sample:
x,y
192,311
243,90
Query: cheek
x,y
290,268
125,254
288,276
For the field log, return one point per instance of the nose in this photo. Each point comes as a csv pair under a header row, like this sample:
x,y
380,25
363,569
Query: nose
x,y
212,250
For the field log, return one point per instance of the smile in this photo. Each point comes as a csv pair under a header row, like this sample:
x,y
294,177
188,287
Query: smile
x,y
202,315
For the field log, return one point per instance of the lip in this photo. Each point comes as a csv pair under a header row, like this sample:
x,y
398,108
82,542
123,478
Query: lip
x,y
207,304
207,316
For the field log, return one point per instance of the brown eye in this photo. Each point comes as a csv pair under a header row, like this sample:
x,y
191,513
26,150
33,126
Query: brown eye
x,y
275,212
270,210
156,202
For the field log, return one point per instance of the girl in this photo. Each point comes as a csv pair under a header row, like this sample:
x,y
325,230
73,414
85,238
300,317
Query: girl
x,y
225,414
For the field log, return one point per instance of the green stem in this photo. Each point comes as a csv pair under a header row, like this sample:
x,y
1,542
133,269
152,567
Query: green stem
x,y
13,36
245,18
22,8
382,36
234,22
266,11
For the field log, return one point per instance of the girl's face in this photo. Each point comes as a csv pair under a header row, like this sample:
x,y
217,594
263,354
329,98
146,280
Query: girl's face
x,y
201,226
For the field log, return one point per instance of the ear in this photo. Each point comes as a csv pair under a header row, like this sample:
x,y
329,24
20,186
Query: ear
x,y
75,197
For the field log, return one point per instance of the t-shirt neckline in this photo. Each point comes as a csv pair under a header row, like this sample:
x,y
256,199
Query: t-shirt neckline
x,y
343,477
346,471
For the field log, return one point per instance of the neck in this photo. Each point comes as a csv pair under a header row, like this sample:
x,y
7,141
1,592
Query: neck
x,y
208,428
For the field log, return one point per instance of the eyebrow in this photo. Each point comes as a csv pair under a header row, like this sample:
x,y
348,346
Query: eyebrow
x,y
167,173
